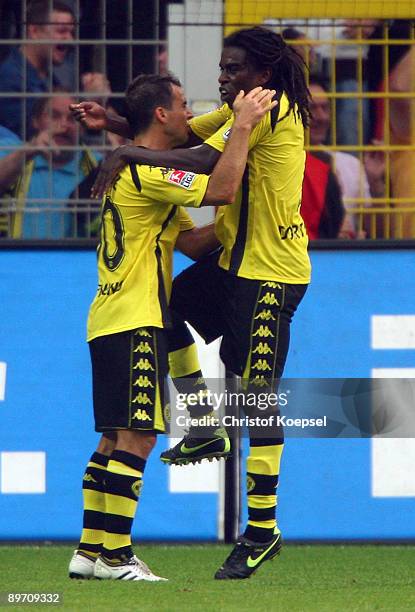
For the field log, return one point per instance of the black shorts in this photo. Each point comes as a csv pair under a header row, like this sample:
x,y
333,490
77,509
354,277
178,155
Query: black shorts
x,y
253,316
129,376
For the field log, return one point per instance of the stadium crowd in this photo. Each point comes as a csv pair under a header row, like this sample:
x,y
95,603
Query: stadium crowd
x,y
348,193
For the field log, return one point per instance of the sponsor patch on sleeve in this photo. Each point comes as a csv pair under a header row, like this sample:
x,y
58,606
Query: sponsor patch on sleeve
x,y
182,178
226,134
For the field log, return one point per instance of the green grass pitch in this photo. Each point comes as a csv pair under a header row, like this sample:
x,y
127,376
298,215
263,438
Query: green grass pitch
x,y
303,578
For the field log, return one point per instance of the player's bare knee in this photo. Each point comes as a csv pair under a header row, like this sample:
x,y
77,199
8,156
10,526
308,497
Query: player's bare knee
x,y
139,443
107,443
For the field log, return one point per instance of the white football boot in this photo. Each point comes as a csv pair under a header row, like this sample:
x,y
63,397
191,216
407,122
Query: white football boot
x,y
81,567
135,569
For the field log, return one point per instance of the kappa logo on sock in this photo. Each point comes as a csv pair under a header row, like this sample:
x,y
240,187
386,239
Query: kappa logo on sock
x,y
89,478
136,487
250,484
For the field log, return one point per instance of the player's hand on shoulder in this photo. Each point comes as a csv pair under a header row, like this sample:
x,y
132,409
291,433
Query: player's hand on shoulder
x,y
251,107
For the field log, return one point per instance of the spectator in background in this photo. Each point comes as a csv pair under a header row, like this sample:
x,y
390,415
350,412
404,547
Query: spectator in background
x,y
37,177
356,180
306,51
321,204
401,124
28,68
352,111
163,61
402,132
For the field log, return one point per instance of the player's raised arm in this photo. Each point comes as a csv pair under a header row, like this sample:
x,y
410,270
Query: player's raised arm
x,y
95,117
227,174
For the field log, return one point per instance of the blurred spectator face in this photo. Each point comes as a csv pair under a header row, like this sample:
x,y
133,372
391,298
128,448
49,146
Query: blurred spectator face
x,y
307,52
60,29
57,121
320,110
356,28
163,61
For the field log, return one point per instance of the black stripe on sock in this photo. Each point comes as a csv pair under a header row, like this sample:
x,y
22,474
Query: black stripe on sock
x,y
134,461
266,441
261,514
261,484
93,548
116,484
118,524
94,519
124,553
100,459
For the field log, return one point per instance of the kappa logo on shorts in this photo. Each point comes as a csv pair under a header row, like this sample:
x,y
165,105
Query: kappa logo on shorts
x,y
142,398
263,349
143,333
261,365
259,381
265,315
269,299
141,415
143,347
182,178
264,332
272,285
143,381
144,365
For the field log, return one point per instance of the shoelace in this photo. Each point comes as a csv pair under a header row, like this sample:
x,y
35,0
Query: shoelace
x,y
142,566
239,552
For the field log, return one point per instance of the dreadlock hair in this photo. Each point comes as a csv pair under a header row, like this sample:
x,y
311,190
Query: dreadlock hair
x,y
266,49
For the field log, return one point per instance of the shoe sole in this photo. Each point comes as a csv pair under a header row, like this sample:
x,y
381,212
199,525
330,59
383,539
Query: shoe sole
x,y
75,576
192,461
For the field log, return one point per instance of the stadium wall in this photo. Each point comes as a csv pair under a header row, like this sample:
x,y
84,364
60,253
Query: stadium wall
x,y
357,320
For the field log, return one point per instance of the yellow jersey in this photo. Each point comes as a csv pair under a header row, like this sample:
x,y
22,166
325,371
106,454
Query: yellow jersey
x,y
262,233
141,217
